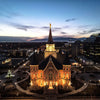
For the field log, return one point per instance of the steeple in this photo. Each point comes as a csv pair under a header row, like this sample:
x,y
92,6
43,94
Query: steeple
x,y
50,46
50,40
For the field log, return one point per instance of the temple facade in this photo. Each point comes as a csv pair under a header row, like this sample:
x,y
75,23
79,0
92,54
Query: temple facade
x,y
50,72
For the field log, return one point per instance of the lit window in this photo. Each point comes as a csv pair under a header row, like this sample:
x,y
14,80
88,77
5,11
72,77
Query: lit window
x,y
54,76
64,75
46,76
50,76
67,76
41,74
37,75
33,69
41,82
59,75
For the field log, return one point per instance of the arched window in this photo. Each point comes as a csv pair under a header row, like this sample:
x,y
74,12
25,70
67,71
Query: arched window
x,y
59,75
46,76
54,76
37,75
50,76
64,75
41,75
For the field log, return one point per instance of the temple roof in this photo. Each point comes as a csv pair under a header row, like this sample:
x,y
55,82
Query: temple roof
x,y
38,59
50,40
44,63
66,60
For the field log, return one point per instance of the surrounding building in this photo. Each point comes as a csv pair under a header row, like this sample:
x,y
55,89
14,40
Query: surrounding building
x,y
49,72
92,49
76,48
5,60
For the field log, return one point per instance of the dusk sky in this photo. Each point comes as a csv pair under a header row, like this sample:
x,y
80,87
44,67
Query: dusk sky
x,y
31,18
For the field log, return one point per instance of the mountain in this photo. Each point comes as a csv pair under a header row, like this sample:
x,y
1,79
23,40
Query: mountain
x,y
29,39
59,39
92,38
13,39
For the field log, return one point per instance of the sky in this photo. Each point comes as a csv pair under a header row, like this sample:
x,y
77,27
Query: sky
x,y
31,18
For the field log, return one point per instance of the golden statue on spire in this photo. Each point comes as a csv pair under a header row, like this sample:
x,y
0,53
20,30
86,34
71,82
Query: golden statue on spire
x,y
50,25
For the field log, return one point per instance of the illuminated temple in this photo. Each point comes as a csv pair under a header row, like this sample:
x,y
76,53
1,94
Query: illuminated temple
x,y
47,70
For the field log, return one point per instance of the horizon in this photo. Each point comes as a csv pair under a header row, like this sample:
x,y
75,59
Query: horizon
x,y
68,18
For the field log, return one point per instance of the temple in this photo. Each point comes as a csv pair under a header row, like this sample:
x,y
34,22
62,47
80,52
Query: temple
x,y
47,71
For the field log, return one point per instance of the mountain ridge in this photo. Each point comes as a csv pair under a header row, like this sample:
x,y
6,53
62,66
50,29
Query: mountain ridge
x,y
30,39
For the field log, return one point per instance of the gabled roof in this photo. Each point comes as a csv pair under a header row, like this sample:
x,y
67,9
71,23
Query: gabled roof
x,y
66,60
36,58
44,63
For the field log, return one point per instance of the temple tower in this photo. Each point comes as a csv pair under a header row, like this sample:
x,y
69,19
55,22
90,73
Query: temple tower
x,y
50,46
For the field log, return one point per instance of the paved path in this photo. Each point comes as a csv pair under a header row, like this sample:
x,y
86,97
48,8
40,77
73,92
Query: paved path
x,y
94,83
97,68
75,91
26,91
21,66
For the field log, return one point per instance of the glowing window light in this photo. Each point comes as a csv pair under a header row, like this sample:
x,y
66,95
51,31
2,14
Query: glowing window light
x,y
67,76
63,81
50,48
56,84
31,83
69,83
64,75
59,81
33,75
46,45
45,84
41,83
41,74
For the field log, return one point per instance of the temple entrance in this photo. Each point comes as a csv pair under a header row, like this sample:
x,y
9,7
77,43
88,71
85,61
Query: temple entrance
x,y
50,85
50,89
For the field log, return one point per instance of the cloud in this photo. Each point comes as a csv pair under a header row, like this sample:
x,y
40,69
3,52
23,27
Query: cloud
x,y
8,12
69,20
53,28
63,33
22,27
94,30
83,32
56,29
44,27
66,26
84,26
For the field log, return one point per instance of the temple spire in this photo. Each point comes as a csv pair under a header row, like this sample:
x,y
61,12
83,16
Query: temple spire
x,y
50,40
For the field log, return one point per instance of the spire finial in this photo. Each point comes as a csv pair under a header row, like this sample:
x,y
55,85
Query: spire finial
x,y
50,25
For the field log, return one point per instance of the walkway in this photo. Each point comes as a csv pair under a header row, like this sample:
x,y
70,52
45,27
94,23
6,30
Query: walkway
x,y
26,91
75,91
